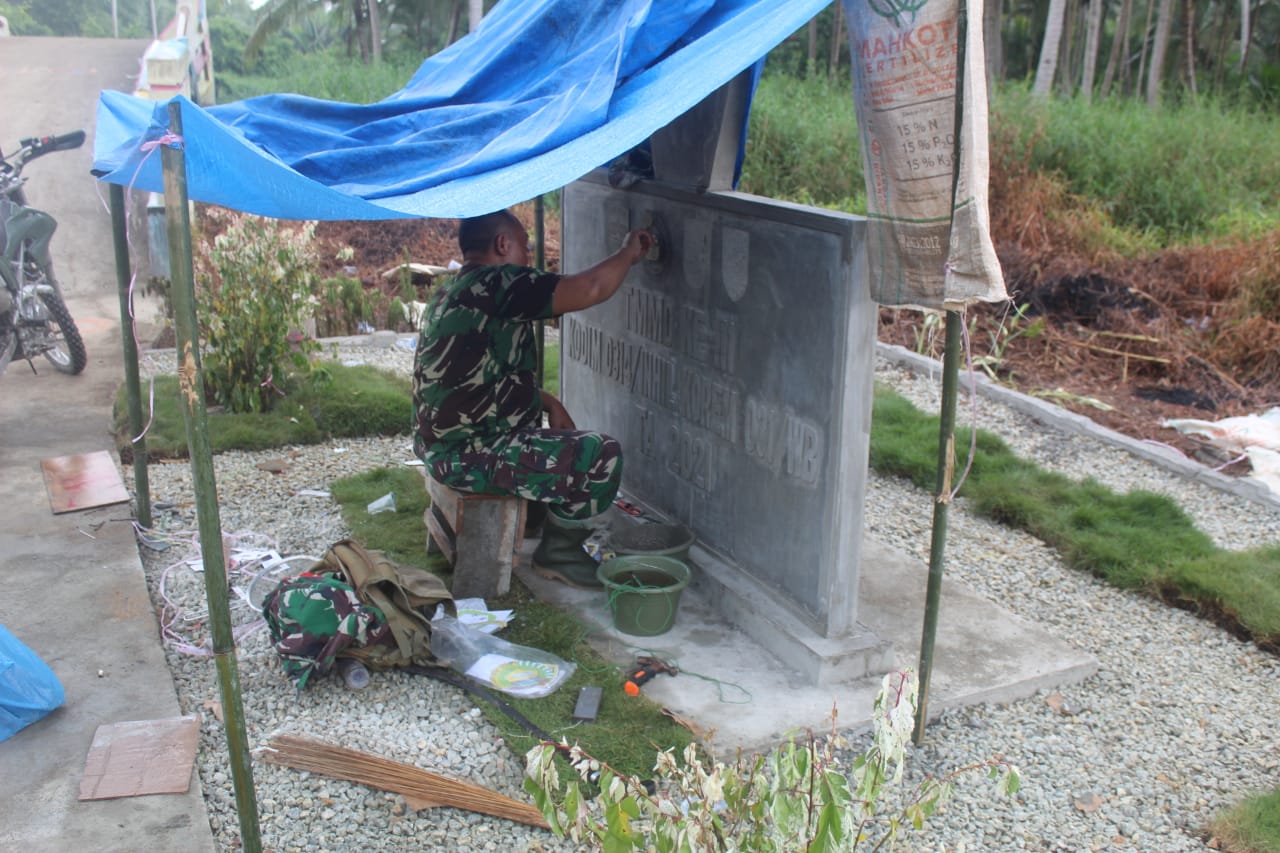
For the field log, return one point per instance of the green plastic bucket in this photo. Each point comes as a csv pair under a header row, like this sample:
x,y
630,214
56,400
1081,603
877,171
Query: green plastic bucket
x,y
644,592
653,540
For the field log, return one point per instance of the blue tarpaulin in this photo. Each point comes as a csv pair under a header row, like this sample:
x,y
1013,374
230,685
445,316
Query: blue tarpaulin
x,y
541,93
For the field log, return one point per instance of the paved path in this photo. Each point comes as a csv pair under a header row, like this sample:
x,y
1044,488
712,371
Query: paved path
x,y
73,589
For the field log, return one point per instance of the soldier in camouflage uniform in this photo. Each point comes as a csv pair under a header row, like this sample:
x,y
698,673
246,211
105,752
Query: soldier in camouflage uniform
x,y
479,409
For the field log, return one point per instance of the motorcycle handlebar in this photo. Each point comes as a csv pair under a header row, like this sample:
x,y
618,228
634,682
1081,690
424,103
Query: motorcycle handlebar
x,y
38,145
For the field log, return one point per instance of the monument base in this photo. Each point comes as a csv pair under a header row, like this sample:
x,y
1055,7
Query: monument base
x,y
765,617
736,692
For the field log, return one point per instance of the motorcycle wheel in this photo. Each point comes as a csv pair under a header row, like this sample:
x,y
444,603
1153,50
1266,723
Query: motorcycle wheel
x,y
69,355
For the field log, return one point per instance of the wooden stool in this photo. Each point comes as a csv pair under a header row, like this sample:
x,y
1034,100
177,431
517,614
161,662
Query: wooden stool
x,y
479,534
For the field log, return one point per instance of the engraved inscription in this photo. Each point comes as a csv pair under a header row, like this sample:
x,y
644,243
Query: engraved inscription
x,y
711,339
782,441
649,315
640,370
691,456
648,421
585,344
735,256
708,403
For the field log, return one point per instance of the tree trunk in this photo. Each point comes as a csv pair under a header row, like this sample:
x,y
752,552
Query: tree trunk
x,y
375,31
360,11
1118,46
813,45
1159,47
1146,37
1048,66
1069,57
475,11
1093,34
1246,33
1191,47
454,19
837,39
992,30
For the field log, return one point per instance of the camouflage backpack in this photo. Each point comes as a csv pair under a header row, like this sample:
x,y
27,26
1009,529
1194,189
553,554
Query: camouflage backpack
x,y
353,603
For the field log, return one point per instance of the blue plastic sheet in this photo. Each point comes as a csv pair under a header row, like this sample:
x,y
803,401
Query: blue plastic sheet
x,y
541,93
28,688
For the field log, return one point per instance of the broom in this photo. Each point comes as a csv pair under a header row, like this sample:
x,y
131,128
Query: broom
x,y
421,788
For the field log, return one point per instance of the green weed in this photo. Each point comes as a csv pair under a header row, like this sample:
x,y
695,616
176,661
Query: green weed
x,y
1183,172
1252,826
804,144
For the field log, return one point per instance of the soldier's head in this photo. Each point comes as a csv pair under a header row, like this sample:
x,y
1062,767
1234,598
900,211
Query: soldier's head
x,y
495,238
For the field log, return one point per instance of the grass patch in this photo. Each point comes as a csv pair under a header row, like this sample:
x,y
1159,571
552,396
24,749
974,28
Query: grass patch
x,y
628,730
1137,540
551,367
400,534
1253,826
333,401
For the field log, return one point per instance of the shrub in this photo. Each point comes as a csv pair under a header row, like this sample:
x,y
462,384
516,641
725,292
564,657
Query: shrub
x,y
795,797
252,289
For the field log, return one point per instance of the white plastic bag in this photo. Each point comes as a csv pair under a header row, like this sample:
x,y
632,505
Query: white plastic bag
x,y
510,668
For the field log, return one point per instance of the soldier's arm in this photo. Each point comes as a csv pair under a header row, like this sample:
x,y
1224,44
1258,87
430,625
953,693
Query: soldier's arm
x,y
596,284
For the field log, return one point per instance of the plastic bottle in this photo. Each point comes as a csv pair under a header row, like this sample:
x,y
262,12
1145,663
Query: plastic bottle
x,y
353,673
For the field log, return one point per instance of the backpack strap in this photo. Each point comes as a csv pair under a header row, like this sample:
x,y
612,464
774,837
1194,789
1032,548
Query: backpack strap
x,y
406,597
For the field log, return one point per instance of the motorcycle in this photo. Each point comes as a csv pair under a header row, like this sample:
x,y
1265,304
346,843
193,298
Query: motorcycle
x,y
34,319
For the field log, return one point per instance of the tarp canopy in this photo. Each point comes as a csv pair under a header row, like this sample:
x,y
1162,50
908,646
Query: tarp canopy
x,y
542,92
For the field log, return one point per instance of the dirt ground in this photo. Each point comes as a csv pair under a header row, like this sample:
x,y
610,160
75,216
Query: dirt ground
x,y
382,246
1125,342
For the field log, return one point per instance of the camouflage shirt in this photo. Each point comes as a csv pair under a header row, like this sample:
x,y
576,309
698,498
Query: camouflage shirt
x,y
474,375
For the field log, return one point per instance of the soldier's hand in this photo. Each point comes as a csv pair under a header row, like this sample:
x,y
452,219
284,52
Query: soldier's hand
x,y
638,244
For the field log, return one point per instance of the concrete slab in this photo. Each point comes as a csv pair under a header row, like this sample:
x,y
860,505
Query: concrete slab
x,y
744,697
74,589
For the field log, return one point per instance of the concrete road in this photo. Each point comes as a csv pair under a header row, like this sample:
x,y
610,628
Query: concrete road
x,y
73,588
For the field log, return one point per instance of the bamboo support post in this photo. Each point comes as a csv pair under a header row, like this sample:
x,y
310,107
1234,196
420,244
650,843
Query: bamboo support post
x,y
191,383
132,383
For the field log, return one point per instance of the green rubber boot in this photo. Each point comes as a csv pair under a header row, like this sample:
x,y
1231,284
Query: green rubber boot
x,y
559,556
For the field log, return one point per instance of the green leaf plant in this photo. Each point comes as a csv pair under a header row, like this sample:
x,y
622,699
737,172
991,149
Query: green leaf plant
x,y
794,797
254,281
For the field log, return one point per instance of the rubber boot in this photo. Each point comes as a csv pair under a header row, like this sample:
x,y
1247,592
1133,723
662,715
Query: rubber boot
x,y
559,556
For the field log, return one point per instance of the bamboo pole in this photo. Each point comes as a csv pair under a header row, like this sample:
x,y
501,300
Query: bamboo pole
x,y
191,382
947,427
539,259
937,544
132,384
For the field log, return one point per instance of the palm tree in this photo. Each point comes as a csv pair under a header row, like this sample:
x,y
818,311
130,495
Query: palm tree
x,y
1119,44
1048,66
1159,47
275,15
1093,35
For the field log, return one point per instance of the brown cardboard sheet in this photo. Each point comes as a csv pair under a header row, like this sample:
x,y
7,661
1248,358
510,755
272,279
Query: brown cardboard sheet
x,y
140,757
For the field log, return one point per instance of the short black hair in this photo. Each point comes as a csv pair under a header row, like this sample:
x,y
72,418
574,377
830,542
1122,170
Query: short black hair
x,y
477,233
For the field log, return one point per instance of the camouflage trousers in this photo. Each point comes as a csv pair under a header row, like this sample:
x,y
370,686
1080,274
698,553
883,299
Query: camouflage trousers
x,y
576,473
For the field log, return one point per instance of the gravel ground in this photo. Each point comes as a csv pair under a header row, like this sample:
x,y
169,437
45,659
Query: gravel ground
x,y
1177,724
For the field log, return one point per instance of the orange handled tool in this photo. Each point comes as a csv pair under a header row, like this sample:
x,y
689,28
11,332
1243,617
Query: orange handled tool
x,y
645,669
